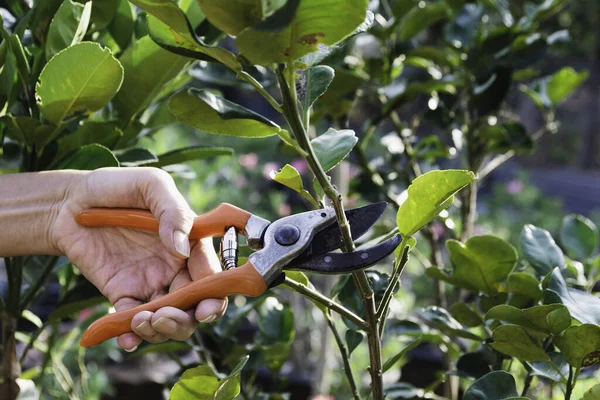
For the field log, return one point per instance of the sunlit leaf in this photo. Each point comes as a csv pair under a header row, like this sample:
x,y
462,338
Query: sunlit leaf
x,y
69,25
581,345
514,341
333,146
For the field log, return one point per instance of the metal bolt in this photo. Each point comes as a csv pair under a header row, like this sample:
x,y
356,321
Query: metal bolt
x,y
327,259
364,256
287,235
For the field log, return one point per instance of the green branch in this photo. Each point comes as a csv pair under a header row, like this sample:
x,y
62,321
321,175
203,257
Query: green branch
x,y
345,355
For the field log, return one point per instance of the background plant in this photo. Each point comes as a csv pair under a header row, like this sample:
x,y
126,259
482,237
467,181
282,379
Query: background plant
x,y
426,85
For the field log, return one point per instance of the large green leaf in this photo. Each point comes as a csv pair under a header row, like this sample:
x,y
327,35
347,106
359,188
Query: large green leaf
x,y
135,157
497,385
580,345
83,77
557,371
592,394
481,262
579,236
442,320
333,146
318,79
524,284
69,25
29,131
465,315
148,68
207,112
89,157
540,250
514,341
232,16
311,27
190,153
583,306
289,176
122,26
428,195
88,132
169,27
229,388
197,383
552,318
563,83
423,16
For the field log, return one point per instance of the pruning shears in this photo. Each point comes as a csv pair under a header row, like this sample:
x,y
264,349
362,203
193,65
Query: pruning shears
x,y
303,241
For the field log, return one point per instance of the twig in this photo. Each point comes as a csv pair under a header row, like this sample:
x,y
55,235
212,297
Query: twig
x,y
327,302
389,291
344,353
250,79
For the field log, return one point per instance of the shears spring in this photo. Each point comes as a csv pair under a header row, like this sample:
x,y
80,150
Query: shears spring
x,y
229,249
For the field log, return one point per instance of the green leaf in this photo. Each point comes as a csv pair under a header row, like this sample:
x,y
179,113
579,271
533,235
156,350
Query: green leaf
x,y
582,306
547,9
122,26
524,284
69,25
465,315
540,250
592,394
497,385
89,157
401,390
8,76
509,136
197,383
29,131
353,339
442,320
135,157
229,388
81,296
310,28
276,332
580,345
393,360
189,154
83,77
318,79
103,13
207,112
563,83
169,27
552,318
579,237
166,347
333,146
88,132
477,363
232,16
428,195
147,69
514,341
289,176
549,371
421,17
481,262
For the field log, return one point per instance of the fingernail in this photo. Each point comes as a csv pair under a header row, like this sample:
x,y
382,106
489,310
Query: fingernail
x,y
134,348
210,318
165,325
182,243
142,325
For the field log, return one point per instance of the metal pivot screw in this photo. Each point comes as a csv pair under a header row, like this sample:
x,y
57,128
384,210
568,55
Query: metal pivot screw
x,y
229,249
287,235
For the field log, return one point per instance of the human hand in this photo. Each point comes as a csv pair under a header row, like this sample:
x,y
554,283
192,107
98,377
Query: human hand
x,y
131,267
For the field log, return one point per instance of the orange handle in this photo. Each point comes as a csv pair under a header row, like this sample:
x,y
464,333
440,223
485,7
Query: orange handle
x,y
242,280
212,223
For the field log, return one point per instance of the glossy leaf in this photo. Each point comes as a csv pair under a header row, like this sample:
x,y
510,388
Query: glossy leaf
x,y
582,306
232,16
540,250
89,157
166,347
230,387
147,69
69,25
580,345
310,28
497,385
389,363
428,195
481,262
318,79
563,83
442,320
548,371
592,393
88,132
421,17
514,341
83,77
289,176
465,315
579,237
207,112
353,339
333,146
197,383
135,157
189,154
524,284
122,26
552,318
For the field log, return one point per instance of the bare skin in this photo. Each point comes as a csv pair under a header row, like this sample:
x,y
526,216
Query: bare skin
x,y
129,267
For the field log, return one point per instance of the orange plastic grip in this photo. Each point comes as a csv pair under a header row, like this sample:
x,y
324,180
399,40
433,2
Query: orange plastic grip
x,y
242,280
212,223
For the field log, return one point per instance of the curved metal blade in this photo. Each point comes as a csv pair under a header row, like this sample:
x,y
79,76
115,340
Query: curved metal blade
x,y
361,219
340,263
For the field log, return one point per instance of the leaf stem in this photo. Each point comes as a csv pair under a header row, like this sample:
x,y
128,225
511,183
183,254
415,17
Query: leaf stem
x,y
243,75
327,302
292,114
344,353
389,291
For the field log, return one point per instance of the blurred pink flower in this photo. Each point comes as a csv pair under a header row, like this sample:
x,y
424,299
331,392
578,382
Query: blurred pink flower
x,y
248,161
323,397
284,210
438,229
268,168
300,165
241,181
515,186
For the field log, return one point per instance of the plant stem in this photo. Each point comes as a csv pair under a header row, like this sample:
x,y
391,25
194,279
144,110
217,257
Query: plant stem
x,y
292,114
250,79
570,385
389,291
527,384
327,302
32,292
344,354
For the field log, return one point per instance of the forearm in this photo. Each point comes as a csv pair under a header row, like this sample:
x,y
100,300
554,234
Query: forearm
x,y
29,203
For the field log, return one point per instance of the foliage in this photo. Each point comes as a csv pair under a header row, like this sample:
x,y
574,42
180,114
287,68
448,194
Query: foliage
x,y
88,89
